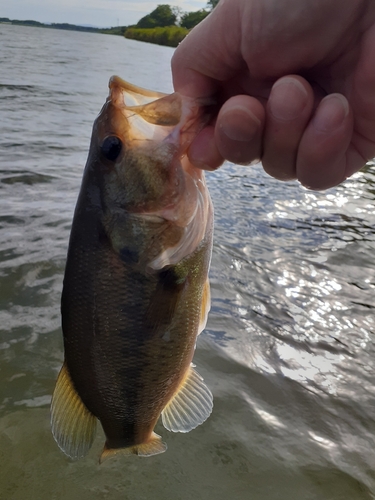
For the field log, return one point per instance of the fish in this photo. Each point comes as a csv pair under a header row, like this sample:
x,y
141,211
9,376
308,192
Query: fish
x,y
136,293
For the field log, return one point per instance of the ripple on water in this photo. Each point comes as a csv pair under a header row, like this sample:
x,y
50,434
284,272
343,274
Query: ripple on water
x,y
289,346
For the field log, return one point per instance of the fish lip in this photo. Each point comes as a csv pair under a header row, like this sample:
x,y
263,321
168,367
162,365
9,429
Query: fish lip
x,y
116,81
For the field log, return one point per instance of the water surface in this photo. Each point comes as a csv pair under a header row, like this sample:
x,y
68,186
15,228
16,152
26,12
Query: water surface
x,y
289,346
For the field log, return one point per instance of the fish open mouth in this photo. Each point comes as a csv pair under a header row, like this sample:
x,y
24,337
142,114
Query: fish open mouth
x,y
155,116
152,179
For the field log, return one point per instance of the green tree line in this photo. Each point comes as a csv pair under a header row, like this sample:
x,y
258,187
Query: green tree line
x,y
167,25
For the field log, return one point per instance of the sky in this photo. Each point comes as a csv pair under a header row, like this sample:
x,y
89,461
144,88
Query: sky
x,y
100,13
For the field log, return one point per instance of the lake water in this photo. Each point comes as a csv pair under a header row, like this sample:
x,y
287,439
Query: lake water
x,y
289,347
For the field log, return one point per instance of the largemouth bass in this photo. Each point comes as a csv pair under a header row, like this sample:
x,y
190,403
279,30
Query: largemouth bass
x,y
136,292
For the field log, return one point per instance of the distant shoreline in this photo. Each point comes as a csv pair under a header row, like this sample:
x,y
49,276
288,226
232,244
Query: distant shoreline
x,y
118,30
169,36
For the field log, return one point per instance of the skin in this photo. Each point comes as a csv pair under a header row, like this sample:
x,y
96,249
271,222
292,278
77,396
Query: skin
x,y
295,83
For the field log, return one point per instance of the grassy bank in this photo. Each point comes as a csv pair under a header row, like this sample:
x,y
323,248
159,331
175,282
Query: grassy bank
x,y
169,35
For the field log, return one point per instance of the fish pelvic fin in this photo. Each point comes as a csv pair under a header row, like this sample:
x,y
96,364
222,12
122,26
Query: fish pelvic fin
x,y
73,426
153,446
190,406
206,306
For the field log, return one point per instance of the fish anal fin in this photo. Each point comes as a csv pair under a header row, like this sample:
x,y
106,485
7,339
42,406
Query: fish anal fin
x,y
153,446
190,406
73,426
206,306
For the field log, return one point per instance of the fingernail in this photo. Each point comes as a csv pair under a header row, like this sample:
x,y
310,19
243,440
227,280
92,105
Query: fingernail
x,y
331,112
288,99
352,169
203,166
239,124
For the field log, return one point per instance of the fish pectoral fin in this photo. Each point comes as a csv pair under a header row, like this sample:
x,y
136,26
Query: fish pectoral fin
x,y
206,306
165,299
73,426
190,406
154,446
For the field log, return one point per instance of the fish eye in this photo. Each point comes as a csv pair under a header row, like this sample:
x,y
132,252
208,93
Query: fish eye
x,y
111,147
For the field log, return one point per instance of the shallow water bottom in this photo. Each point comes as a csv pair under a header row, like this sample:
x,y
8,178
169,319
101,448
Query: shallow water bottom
x,y
241,454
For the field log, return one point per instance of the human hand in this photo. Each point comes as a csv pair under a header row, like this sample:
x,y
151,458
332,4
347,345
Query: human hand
x,y
296,84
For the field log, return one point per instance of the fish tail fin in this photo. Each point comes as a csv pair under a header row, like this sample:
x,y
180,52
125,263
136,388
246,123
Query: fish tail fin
x,y
73,425
153,446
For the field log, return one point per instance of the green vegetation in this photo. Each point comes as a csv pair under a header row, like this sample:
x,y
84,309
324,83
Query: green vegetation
x,y
191,19
212,3
162,16
115,30
165,25
169,35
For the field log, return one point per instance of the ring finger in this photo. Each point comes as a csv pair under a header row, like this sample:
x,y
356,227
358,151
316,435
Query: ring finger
x,y
288,111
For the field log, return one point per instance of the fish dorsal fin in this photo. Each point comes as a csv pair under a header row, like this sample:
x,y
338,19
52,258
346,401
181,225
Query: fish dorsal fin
x,y
73,426
206,306
190,406
153,446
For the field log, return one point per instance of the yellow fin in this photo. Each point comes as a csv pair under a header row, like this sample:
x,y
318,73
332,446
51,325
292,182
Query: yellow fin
x,y
206,306
165,111
153,447
190,406
73,426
